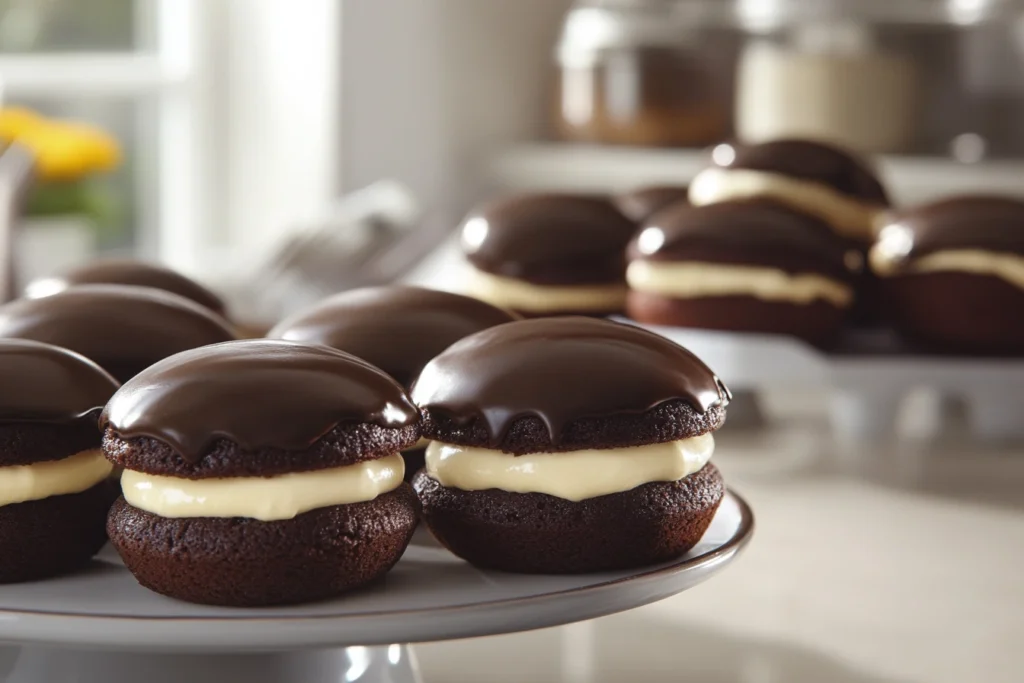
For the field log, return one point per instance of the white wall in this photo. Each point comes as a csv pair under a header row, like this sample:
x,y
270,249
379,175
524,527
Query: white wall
x,y
266,112
283,98
430,87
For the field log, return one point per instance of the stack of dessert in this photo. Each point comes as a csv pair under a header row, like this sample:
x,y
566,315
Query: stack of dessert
x,y
788,237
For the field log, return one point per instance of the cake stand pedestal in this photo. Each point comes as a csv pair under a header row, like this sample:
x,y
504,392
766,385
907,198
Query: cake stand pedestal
x,y
100,626
390,664
868,378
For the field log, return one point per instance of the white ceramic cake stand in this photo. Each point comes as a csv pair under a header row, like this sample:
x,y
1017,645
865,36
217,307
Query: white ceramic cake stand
x,y
867,380
101,626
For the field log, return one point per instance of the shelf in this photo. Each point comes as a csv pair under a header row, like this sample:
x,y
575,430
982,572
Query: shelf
x,y
592,168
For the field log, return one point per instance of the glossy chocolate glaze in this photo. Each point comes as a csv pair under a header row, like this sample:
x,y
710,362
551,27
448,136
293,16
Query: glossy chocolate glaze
x,y
560,370
552,239
815,162
398,329
757,233
986,223
45,383
129,272
122,328
639,205
258,393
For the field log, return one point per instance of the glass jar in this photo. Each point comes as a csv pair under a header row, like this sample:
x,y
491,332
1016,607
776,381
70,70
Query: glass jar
x,y
642,72
924,77
895,76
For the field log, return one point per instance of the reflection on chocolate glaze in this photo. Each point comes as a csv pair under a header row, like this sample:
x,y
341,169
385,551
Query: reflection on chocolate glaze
x,y
258,393
815,162
757,233
398,329
122,328
549,239
986,223
129,272
639,205
45,383
560,370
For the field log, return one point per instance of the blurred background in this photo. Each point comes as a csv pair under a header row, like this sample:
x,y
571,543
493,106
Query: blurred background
x,y
277,151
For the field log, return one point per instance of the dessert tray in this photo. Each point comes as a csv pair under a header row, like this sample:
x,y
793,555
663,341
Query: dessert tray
x,y
869,375
101,626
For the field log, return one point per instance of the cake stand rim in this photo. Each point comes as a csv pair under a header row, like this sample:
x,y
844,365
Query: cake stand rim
x,y
26,627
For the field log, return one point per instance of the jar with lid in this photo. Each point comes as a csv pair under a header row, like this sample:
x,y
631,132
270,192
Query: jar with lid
x,y
896,76
644,72
922,77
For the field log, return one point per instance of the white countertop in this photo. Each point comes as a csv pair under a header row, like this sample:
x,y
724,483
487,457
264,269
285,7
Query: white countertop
x,y
869,564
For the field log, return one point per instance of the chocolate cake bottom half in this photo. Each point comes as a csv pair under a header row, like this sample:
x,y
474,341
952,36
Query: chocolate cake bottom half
x,y
246,562
537,533
818,323
957,312
55,535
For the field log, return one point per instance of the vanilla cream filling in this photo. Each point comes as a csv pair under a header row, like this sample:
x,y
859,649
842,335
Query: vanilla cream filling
x,y
575,475
1009,267
267,499
422,443
847,216
506,292
693,279
74,474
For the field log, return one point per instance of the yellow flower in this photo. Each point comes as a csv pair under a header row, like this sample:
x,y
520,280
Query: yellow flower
x,y
101,151
16,120
58,157
64,150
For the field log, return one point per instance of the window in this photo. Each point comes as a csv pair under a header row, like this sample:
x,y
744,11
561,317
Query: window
x,y
68,25
226,110
124,65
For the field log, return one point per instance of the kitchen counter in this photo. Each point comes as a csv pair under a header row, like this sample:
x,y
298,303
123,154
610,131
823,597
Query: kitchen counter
x,y
894,562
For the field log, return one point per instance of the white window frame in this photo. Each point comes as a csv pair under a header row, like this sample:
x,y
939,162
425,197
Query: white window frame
x,y
241,100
